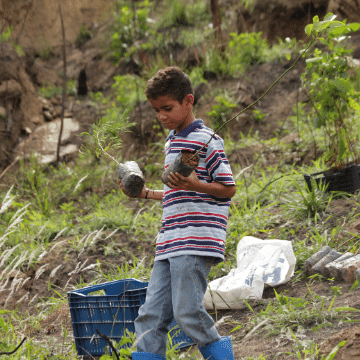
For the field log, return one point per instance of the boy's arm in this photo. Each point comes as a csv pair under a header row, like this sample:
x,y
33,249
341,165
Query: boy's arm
x,y
146,193
193,183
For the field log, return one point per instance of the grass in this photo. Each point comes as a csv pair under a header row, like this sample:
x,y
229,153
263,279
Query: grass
x,y
89,209
82,208
49,90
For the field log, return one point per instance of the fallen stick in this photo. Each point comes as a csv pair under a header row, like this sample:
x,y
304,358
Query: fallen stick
x,y
10,166
247,337
16,349
109,342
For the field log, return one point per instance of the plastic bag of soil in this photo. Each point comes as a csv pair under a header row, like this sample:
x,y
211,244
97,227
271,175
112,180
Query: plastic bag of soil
x,y
131,178
185,163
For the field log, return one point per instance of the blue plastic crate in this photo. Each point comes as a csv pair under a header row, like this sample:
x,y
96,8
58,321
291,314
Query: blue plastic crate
x,y
111,314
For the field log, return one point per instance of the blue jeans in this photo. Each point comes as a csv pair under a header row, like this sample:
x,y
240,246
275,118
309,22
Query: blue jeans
x,y
176,290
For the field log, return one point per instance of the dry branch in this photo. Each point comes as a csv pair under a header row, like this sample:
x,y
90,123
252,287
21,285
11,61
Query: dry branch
x,y
16,349
64,86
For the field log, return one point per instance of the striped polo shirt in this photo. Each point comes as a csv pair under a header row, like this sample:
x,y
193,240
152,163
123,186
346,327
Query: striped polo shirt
x,y
194,223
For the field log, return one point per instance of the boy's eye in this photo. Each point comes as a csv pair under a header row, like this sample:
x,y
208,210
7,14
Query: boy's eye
x,y
168,109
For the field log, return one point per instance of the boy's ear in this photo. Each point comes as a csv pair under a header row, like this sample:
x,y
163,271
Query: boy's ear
x,y
189,98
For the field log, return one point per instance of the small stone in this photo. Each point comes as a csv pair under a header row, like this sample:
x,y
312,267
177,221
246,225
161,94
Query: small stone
x,y
27,130
57,111
48,116
46,104
3,112
56,100
36,120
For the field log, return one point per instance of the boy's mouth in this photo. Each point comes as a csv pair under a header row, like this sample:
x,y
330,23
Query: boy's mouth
x,y
167,124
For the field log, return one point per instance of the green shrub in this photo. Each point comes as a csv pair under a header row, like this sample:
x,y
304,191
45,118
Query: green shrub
x,y
246,49
327,80
215,61
83,36
49,90
6,37
221,110
130,24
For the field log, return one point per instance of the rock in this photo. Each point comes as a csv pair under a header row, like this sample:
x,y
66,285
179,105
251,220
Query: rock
x,y
27,130
46,104
57,111
36,120
10,89
44,139
48,116
2,112
56,100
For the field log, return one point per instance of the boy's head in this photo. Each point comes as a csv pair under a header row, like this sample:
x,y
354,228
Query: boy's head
x,y
172,82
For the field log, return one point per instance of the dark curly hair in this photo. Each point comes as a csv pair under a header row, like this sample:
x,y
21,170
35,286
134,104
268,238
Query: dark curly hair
x,y
171,81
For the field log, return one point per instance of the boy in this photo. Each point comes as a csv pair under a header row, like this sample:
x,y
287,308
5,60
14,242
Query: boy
x,y
193,231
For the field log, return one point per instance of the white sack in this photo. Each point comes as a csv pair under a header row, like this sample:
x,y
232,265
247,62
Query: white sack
x,y
259,262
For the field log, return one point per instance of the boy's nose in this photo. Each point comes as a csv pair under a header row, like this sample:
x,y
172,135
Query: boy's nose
x,y
162,116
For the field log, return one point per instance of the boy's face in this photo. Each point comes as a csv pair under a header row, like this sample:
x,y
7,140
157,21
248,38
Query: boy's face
x,y
172,114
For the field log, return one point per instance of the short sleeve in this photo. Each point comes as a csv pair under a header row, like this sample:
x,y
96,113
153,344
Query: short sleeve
x,y
217,164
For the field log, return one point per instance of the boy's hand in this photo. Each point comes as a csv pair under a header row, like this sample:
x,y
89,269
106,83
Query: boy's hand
x,y
178,181
193,183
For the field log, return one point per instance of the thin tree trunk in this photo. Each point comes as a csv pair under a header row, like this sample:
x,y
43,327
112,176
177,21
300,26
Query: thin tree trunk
x,y
64,86
216,20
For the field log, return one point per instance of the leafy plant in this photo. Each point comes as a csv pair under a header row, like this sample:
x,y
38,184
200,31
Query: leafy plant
x,y
49,90
215,62
305,203
105,134
177,15
130,24
220,111
83,36
258,116
6,37
45,51
330,85
128,91
310,350
246,49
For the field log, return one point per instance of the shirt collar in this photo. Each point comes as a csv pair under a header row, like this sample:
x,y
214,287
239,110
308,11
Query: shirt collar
x,y
188,130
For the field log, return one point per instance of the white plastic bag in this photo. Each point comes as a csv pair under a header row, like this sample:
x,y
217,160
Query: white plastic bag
x,y
259,262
